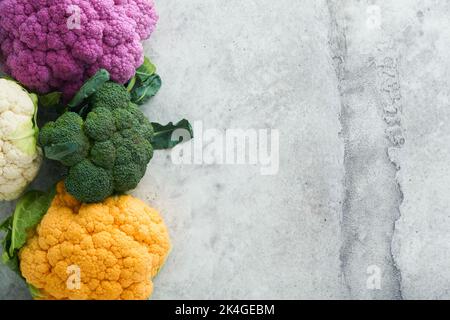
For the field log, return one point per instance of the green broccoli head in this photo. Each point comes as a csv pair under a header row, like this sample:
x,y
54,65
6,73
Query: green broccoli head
x,y
111,95
114,146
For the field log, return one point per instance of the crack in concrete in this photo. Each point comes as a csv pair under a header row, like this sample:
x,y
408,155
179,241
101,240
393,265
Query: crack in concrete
x,y
391,89
380,82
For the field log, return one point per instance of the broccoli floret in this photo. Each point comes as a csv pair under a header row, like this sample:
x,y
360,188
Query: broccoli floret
x,y
131,163
111,95
117,139
124,157
99,124
45,134
124,119
139,152
67,130
127,177
103,154
142,130
88,182
137,112
147,130
115,142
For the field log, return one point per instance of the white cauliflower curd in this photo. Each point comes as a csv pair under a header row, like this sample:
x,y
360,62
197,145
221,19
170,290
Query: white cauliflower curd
x,y
20,157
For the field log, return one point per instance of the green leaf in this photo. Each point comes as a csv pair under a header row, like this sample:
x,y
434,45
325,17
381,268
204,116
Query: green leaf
x,y
131,84
164,135
50,100
144,91
146,70
89,88
145,84
59,151
29,211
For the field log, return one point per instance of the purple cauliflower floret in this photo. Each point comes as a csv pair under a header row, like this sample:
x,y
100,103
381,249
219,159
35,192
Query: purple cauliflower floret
x,y
44,47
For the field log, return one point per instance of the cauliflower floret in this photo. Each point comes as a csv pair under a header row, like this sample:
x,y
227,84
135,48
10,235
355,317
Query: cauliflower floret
x,y
10,121
113,249
20,158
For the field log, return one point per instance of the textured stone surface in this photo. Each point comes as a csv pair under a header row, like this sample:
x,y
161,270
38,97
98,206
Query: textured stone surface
x,y
359,93
238,234
422,241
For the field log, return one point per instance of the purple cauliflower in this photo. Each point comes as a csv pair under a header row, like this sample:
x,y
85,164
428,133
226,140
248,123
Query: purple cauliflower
x,y
56,45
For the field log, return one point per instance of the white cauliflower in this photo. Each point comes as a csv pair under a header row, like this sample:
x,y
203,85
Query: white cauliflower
x,y
20,157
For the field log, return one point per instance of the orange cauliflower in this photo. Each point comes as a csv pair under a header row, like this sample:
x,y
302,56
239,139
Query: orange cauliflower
x,y
118,246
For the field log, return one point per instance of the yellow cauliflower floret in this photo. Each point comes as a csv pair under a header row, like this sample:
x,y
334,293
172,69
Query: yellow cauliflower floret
x,y
117,246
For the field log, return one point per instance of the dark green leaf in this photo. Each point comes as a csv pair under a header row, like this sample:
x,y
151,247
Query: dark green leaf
x,y
145,84
12,263
50,100
5,225
84,111
89,88
59,151
143,91
170,135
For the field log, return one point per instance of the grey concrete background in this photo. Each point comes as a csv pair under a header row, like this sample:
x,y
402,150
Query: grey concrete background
x,y
359,93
